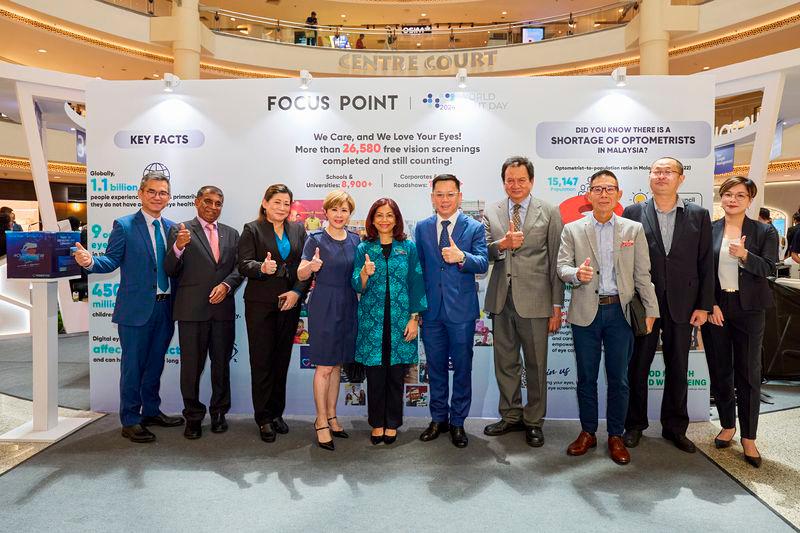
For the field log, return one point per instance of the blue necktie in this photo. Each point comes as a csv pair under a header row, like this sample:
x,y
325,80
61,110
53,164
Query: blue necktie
x,y
444,238
163,280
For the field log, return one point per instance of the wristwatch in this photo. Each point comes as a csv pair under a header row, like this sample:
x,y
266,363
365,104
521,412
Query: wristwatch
x,y
415,316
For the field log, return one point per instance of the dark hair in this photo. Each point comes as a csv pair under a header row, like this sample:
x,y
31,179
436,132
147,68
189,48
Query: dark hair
x,y
445,177
604,172
680,165
156,175
729,183
272,190
5,221
516,161
369,225
7,210
205,189
764,213
796,216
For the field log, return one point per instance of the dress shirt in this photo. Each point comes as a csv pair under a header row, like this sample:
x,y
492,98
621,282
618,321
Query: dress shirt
x,y
523,209
450,228
604,235
152,231
666,223
203,223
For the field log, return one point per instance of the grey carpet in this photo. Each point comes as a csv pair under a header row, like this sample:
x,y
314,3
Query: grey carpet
x,y
97,481
16,371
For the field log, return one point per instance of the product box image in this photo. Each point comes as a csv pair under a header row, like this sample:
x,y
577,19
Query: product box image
x,y
42,254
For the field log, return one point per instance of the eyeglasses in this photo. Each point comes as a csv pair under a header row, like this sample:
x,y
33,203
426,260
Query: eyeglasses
x,y
443,195
665,173
152,193
740,197
600,189
211,203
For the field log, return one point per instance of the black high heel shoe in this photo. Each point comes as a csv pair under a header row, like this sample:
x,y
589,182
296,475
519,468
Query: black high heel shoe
x,y
340,434
389,439
325,445
720,443
754,461
376,439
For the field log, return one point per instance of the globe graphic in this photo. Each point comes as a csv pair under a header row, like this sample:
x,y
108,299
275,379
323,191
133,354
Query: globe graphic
x,y
156,167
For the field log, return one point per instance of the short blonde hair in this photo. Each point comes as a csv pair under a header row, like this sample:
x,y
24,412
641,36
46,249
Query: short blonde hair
x,y
338,198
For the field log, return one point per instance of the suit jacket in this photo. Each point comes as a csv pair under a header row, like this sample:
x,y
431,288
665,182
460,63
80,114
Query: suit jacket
x,y
760,242
449,286
631,268
258,238
131,250
685,277
532,267
197,273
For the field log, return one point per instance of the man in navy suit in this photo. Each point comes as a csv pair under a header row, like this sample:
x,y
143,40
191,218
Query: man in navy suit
x,y
452,249
143,310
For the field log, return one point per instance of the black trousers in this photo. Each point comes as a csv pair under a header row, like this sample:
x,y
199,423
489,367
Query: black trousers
x,y
198,339
385,395
733,352
675,341
270,334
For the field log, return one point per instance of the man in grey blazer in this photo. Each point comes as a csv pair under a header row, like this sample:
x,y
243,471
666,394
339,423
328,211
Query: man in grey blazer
x,y
524,297
606,260
203,255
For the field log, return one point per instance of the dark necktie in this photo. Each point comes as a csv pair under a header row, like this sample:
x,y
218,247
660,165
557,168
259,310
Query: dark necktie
x,y
515,218
444,238
163,280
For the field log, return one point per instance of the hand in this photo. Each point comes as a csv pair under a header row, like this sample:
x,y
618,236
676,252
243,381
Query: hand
x,y
649,322
269,266
716,317
554,322
410,333
218,293
82,256
369,267
737,249
316,263
699,317
585,271
513,238
451,254
184,236
290,299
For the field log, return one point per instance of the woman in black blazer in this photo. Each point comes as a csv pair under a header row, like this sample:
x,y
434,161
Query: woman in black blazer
x,y
745,253
270,249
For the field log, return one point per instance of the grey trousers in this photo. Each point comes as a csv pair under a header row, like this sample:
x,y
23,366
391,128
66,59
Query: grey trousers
x,y
511,332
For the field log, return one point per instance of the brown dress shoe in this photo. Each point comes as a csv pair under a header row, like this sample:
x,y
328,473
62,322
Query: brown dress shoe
x,y
582,444
619,453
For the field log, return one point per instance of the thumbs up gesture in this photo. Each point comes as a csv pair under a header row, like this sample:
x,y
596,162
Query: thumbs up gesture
x,y
369,266
316,262
737,249
585,271
452,254
82,256
184,236
269,266
513,238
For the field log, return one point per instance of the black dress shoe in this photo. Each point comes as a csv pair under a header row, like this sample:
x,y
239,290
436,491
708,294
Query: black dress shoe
x,y
433,430
680,441
631,438
267,432
721,443
534,437
458,437
218,423
137,433
280,426
162,420
193,429
338,434
502,427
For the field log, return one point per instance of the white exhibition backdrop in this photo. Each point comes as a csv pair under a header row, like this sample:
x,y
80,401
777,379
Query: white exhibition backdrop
x,y
244,135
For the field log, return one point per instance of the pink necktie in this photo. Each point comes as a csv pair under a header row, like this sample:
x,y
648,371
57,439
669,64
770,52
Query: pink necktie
x,y
213,240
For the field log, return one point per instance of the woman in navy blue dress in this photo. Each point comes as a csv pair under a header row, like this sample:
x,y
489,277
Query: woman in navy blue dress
x,y
332,310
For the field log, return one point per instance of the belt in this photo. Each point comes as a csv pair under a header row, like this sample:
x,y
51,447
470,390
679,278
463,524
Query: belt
x,y
730,290
611,299
162,297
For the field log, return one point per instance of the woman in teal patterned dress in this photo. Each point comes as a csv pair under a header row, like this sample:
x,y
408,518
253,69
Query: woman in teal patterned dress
x,y
387,274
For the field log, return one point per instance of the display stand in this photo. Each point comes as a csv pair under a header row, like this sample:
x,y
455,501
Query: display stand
x,y
46,425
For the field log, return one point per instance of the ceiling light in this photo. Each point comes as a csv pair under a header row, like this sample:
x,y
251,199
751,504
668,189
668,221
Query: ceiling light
x,y
233,19
3,115
621,9
571,21
596,24
170,82
504,13
706,68
56,177
461,78
423,14
155,75
305,79
620,75
784,123
72,129
419,44
343,16
42,51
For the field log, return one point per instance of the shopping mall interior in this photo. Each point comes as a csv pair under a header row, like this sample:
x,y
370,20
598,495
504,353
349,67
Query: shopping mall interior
x,y
63,463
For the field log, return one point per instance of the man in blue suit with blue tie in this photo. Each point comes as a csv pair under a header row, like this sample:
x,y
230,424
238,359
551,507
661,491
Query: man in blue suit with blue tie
x,y
452,249
143,310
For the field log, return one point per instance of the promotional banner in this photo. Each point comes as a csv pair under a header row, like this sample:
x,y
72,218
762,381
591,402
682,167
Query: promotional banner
x,y
375,138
